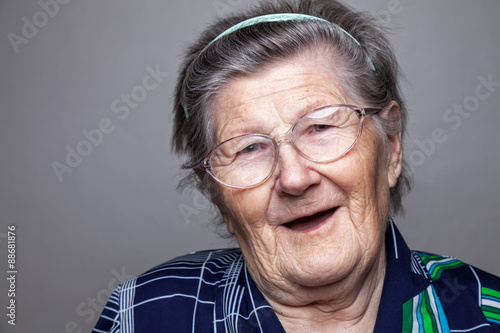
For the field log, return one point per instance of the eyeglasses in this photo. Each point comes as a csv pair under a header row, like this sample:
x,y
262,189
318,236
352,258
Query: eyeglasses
x,y
323,135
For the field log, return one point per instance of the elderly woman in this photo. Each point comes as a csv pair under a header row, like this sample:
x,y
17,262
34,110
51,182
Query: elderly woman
x,y
292,121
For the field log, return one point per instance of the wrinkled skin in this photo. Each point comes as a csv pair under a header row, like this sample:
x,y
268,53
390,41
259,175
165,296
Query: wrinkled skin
x,y
331,272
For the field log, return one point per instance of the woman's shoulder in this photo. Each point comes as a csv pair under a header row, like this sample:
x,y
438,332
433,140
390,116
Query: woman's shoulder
x,y
211,265
442,266
462,289
170,291
182,275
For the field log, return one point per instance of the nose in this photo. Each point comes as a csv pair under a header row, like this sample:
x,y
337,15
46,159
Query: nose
x,y
294,175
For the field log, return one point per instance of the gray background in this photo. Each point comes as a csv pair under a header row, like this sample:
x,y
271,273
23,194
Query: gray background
x,y
118,213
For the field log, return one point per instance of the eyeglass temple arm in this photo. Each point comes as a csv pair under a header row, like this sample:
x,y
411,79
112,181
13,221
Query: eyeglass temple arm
x,y
371,110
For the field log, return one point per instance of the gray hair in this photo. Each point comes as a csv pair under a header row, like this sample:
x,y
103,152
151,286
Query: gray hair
x,y
248,50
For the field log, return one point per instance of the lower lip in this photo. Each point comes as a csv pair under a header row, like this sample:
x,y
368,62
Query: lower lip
x,y
310,223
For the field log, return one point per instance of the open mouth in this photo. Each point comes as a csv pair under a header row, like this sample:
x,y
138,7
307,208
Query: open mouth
x,y
309,222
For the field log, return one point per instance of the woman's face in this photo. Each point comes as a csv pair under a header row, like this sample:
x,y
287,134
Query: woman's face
x,y
310,224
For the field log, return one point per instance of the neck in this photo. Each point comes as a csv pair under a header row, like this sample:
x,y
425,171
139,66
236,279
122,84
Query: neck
x,y
350,305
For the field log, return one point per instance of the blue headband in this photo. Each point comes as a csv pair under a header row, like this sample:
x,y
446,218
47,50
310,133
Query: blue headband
x,y
278,18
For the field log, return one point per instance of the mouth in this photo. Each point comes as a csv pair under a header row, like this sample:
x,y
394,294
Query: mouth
x,y
310,222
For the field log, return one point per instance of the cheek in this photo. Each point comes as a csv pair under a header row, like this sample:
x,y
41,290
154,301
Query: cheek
x,y
359,173
247,208
355,173
375,181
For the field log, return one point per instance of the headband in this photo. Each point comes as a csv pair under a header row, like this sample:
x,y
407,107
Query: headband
x,y
283,17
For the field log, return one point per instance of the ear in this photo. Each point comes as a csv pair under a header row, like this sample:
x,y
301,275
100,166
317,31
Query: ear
x,y
395,151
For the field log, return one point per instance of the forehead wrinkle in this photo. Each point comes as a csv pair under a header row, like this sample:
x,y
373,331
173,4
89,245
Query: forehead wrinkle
x,y
256,97
236,120
297,72
324,92
308,102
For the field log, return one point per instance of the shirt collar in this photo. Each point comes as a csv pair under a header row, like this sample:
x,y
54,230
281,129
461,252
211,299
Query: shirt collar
x,y
403,281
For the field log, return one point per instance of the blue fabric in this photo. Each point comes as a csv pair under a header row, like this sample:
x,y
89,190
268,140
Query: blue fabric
x,y
212,291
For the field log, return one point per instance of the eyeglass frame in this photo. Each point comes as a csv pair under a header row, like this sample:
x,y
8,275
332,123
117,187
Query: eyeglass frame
x,y
287,137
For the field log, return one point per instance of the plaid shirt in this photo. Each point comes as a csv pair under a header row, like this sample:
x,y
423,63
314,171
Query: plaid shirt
x,y
212,291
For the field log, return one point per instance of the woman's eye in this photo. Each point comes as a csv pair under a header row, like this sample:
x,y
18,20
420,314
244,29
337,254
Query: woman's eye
x,y
250,149
320,127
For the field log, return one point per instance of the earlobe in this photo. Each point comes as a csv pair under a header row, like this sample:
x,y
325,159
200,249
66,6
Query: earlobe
x,y
395,160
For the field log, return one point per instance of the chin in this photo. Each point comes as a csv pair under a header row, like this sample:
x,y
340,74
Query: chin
x,y
322,266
